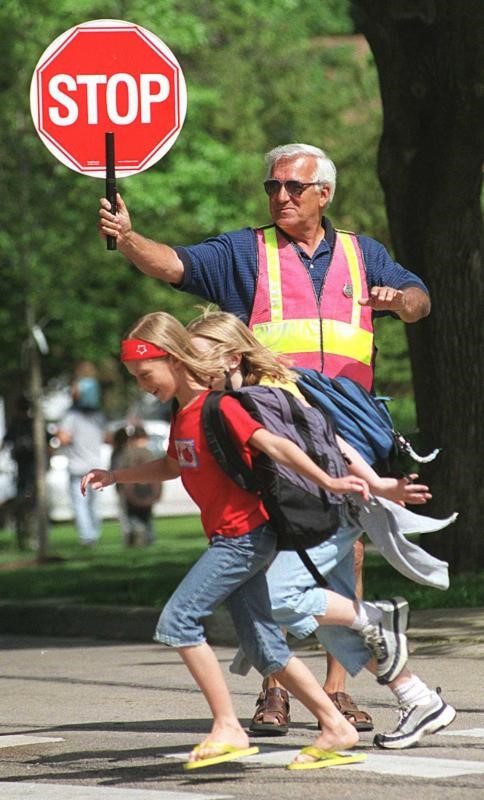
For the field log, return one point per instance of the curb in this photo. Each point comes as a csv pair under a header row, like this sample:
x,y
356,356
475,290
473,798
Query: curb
x,y
119,623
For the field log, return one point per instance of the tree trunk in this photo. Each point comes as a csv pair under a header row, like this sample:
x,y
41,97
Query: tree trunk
x,y
428,55
40,446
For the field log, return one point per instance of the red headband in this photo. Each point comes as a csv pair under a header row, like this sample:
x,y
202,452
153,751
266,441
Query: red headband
x,y
139,349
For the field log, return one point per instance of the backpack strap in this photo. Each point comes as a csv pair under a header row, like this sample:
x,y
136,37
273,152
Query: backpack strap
x,y
303,430
222,446
312,568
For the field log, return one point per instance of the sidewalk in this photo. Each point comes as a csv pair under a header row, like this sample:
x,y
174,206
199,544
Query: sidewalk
x,y
435,628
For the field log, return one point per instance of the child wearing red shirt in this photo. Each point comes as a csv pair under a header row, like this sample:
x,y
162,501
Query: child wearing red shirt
x,y
160,355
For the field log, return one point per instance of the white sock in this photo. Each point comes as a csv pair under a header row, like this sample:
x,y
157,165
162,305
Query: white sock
x,y
413,692
368,614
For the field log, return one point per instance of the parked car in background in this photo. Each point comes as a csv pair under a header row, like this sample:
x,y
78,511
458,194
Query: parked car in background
x,y
174,499
8,474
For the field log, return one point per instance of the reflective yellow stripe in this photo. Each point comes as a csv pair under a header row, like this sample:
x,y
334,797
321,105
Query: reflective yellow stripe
x,y
354,267
346,340
273,272
303,336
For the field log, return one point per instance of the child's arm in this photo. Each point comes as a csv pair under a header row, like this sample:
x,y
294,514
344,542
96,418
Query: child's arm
x,y
162,469
285,452
400,490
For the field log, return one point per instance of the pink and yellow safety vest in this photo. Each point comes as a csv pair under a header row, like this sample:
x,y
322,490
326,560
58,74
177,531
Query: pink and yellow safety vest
x,y
332,333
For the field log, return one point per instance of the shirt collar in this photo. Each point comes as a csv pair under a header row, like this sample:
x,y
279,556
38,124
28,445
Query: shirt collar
x,y
329,234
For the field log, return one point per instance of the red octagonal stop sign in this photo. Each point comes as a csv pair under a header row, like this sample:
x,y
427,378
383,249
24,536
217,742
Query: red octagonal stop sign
x,y
103,76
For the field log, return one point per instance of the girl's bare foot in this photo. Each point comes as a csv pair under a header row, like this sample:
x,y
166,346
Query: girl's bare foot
x,y
341,736
219,735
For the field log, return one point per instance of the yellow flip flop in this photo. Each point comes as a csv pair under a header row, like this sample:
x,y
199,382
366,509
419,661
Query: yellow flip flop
x,y
325,758
226,752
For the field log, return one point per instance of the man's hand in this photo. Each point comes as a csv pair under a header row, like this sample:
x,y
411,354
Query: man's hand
x,y
155,259
384,298
117,225
411,304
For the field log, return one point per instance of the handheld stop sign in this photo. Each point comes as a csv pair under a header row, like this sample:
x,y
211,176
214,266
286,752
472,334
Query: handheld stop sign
x,y
108,98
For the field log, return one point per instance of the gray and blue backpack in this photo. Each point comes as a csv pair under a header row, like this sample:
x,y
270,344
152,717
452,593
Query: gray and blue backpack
x,y
302,514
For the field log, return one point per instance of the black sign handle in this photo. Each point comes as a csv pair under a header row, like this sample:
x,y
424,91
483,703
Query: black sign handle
x,y
110,183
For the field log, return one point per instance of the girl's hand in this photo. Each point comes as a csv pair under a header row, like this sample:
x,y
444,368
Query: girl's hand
x,y
347,485
403,491
97,478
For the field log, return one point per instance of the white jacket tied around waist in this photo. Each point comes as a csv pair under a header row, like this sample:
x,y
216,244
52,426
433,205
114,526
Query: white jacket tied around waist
x,y
387,524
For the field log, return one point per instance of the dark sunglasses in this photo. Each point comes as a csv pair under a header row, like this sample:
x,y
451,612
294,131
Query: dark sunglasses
x,y
294,188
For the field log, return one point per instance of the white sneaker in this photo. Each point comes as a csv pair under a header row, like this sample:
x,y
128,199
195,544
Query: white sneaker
x,y
415,722
386,639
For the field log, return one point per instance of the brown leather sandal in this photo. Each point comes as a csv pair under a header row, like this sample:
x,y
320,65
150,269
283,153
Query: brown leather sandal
x,y
360,719
271,713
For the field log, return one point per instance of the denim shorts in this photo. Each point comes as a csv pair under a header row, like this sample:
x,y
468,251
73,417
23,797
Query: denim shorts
x,y
296,598
232,570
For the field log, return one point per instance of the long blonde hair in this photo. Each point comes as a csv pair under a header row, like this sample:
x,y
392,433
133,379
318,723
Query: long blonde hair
x,y
232,337
166,332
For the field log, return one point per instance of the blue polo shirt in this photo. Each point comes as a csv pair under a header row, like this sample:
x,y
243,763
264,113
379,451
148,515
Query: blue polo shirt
x,y
223,268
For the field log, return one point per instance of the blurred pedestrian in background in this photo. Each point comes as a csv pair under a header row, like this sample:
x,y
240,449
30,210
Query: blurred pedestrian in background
x,y
81,431
137,499
19,435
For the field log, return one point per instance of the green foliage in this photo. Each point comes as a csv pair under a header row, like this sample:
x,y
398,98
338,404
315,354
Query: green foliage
x,y
381,580
258,74
110,574
393,376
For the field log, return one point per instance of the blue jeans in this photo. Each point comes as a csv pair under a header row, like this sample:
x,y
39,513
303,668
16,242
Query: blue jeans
x,y
296,598
230,570
85,509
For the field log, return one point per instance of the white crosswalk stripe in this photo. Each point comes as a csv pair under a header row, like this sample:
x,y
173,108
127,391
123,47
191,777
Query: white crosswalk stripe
x,y
49,791
21,740
418,767
473,733
379,762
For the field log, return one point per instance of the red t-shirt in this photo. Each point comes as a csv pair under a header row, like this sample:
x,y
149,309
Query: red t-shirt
x,y
225,507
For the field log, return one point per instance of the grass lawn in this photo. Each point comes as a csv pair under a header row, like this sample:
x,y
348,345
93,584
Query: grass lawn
x,y
112,574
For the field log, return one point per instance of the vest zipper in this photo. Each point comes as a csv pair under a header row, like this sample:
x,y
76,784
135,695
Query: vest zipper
x,y
317,299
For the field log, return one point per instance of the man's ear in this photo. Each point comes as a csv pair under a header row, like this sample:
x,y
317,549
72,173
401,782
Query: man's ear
x,y
324,196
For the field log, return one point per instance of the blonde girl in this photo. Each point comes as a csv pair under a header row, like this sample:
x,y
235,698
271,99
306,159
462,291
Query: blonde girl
x,y
302,606
161,356
230,339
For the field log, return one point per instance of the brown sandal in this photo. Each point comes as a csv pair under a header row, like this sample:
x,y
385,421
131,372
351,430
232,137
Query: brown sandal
x,y
360,719
271,713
